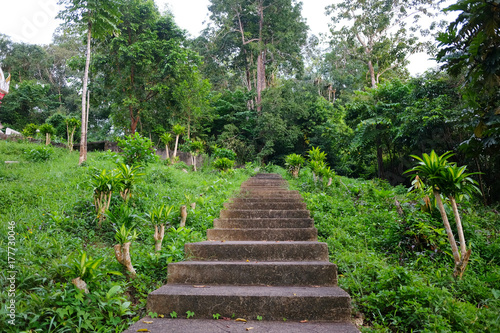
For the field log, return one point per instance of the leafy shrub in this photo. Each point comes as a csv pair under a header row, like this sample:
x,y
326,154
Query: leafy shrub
x,y
294,162
137,149
39,154
47,129
218,152
30,130
58,121
223,164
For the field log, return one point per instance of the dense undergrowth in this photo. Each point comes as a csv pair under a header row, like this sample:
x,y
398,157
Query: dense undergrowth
x,y
397,267
56,237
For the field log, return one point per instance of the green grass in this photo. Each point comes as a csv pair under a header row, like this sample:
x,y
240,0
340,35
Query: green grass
x,y
398,269
52,206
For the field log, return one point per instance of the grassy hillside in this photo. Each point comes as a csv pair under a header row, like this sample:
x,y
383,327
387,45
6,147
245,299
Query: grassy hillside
x,y
397,267
49,206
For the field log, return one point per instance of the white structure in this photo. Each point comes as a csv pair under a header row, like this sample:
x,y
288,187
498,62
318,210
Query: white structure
x,y
4,84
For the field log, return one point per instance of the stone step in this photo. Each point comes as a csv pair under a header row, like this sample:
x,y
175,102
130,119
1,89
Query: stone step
x,y
248,213
259,185
235,223
269,194
266,199
169,325
266,205
257,251
271,273
260,188
265,181
272,303
264,234
268,176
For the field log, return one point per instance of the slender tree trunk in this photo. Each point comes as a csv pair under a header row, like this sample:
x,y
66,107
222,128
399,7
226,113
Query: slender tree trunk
x,y
451,238
373,78
133,120
194,162
83,139
460,230
72,135
183,216
168,154
47,139
176,144
122,254
67,132
159,234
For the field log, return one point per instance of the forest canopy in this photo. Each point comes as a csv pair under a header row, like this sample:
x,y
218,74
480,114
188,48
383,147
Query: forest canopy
x,y
256,81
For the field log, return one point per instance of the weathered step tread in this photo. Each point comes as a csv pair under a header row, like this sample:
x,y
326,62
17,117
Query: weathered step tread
x,y
264,213
271,205
250,273
272,303
167,325
264,234
263,223
257,251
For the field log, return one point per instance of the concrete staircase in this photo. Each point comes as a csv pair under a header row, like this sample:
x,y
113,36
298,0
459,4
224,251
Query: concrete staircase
x,y
262,259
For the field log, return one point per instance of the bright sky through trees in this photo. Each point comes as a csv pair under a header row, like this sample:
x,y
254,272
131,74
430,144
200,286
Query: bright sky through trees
x,y
33,21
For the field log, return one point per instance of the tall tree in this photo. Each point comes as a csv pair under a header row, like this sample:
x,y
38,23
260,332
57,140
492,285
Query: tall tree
x,y
378,31
99,18
142,65
258,39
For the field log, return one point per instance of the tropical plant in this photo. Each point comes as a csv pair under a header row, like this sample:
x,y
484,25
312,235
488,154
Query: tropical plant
x,y
223,164
103,185
71,125
218,152
39,154
137,149
125,236
315,154
123,215
294,162
317,161
178,131
196,148
30,130
47,130
447,179
166,138
158,216
127,176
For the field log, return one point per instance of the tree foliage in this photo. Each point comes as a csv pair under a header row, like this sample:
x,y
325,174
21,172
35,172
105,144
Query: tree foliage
x,y
380,33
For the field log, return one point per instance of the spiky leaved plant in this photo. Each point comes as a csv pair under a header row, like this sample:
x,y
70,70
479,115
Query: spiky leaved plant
x,y
446,178
294,162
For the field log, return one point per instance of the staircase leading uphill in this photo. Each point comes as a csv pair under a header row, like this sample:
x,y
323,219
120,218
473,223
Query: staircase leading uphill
x,y
261,259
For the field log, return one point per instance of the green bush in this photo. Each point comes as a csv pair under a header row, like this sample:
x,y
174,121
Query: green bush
x,y
39,154
218,152
30,130
137,149
223,164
